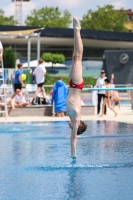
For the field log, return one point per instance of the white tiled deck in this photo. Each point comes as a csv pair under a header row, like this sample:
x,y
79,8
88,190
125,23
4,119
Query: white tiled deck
x,y
125,114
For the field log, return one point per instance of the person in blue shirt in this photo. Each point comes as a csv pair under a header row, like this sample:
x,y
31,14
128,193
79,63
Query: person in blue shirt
x,y
59,96
18,83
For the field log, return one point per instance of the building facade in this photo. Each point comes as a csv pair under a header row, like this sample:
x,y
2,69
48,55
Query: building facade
x,y
60,40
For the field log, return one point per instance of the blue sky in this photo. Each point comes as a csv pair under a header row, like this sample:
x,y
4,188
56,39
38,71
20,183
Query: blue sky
x,y
75,7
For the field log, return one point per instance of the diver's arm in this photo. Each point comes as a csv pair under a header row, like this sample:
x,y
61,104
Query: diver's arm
x,y
74,137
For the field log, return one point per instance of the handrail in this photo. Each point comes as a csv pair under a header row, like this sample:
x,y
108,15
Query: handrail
x,y
99,89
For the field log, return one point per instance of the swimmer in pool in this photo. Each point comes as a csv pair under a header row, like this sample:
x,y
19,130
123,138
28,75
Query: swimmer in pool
x,y
73,103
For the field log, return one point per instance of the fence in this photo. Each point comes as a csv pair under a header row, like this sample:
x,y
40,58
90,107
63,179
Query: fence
x,y
126,96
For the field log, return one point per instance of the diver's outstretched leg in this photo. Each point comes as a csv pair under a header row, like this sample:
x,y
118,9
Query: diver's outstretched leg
x,y
76,68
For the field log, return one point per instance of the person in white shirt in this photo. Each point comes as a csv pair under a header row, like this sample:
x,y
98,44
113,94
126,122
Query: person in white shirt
x,y
39,73
101,93
19,99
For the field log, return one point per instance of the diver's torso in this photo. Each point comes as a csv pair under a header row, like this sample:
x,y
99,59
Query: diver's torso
x,y
73,103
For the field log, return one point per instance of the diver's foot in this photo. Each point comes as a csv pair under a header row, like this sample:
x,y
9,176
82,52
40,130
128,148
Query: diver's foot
x,y
76,23
74,157
73,162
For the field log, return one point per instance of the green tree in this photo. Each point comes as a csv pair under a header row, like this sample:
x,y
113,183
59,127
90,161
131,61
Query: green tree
x,y
49,17
6,20
53,57
9,58
47,57
105,18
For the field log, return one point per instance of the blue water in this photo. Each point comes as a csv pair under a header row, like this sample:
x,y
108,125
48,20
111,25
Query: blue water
x,y
35,162
88,101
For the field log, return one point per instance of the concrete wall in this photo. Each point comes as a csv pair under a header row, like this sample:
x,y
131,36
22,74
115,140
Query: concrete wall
x,y
46,110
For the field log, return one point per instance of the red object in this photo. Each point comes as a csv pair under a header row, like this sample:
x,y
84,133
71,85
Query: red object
x,y
51,92
79,86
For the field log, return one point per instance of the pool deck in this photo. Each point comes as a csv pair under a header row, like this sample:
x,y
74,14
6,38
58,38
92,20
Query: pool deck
x,y
125,114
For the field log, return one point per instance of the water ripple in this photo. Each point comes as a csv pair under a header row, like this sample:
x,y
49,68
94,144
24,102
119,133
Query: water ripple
x,y
82,137
78,167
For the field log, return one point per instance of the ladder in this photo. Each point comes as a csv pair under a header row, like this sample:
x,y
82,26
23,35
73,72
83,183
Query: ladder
x,y
3,89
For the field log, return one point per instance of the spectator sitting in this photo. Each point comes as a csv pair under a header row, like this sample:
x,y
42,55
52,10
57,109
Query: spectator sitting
x,y
4,104
20,99
59,96
9,101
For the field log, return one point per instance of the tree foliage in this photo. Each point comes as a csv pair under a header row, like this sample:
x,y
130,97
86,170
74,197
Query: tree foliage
x,y
105,18
49,17
50,80
6,20
9,58
53,57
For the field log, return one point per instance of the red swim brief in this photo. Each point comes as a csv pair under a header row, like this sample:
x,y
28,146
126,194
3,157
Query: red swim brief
x,y
79,86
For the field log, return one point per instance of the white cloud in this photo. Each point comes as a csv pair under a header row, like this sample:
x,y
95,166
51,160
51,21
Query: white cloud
x,y
60,3
118,4
75,7
71,4
9,10
27,7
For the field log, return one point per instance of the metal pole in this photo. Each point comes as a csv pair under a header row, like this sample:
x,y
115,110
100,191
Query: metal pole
x,y
38,47
29,51
117,88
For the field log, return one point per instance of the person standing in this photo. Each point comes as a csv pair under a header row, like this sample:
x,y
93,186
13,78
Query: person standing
x,y
101,93
115,94
18,83
39,73
59,95
107,99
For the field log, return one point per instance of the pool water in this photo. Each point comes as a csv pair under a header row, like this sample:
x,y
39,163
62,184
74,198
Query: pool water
x,y
88,101
35,162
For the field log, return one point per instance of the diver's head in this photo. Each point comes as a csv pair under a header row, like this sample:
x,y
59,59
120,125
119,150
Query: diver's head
x,y
82,128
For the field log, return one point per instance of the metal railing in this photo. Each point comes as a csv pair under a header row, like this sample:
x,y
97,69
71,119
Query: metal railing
x,y
86,95
125,94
